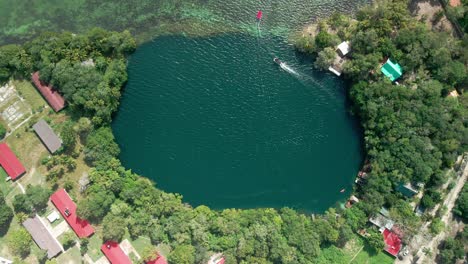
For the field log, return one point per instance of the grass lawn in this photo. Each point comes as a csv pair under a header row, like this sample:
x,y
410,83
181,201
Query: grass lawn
x,y
94,247
366,256
5,186
27,91
140,244
71,256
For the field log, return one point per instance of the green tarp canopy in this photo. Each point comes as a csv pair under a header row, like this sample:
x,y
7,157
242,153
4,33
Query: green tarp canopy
x,y
392,70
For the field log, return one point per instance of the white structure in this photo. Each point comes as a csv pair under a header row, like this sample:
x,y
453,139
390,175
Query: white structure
x,y
334,71
53,217
5,261
343,48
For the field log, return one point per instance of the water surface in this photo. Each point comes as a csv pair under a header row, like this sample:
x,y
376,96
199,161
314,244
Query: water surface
x,y
217,121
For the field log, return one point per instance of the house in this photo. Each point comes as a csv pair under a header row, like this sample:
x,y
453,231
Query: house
x,y
42,237
392,70
453,94
67,208
392,242
343,48
10,163
114,253
158,260
337,65
47,136
454,3
52,96
382,222
351,201
217,258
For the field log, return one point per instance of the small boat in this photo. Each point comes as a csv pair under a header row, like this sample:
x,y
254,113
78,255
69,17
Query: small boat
x,y
277,61
259,15
342,190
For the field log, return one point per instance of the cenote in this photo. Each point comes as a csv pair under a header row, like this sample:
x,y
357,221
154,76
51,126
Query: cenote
x,y
215,120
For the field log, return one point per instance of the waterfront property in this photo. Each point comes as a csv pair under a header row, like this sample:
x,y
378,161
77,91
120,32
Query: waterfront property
x,y
67,208
52,96
42,237
114,253
47,136
10,163
392,70
341,51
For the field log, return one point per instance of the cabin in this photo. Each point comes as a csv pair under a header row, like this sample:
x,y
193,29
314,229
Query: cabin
x,y
52,96
10,163
351,201
67,209
392,242
341,51
47,136
407,190
114,253
391,70
42,237
343,48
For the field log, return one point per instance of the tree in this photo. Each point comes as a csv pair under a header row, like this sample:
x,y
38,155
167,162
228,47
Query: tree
x,y
325,58
2,131
100,146
182,254
113,227
6,215
19,242
436,226
68,240
376,241
461,206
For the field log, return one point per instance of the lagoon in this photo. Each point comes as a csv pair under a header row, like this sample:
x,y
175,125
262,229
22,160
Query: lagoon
x,y
216,120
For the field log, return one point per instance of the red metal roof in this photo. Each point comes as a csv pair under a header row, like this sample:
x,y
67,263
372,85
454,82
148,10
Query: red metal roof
x,y
53,97
10,162
159,260
392,242
114,253
62,201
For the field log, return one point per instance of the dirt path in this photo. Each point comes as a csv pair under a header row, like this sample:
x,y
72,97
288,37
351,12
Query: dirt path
x,y
423,240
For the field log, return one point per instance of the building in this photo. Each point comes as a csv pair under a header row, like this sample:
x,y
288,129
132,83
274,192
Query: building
x,y
351,201
114,253
42,237
337,65
158,260
10,163
343,48
67,208
52,96
407,190
454,3
392,242
392,70
47,136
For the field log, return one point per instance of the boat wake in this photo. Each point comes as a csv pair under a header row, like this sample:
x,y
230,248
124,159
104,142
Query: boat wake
x,y
287,68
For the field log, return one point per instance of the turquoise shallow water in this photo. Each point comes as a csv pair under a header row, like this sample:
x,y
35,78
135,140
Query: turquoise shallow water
x,y
217,121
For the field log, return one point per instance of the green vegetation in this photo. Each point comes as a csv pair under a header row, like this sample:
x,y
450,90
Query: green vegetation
x,y
19,242
461,206
412,132
452,249
6,215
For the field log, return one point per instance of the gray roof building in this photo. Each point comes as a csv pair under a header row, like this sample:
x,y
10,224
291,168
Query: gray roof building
x,y
47,136
42,237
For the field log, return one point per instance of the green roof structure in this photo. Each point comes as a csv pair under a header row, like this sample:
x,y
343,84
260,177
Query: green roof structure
x,y
392,70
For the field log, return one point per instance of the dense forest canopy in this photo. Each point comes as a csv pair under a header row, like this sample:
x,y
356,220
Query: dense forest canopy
x,y
412,132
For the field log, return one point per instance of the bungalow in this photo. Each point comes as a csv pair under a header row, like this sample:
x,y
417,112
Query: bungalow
x,y
42,237
352,200
47,136
382,222
52,96
10,162
391,70
407,190
392,242
341,50
67,208
114,253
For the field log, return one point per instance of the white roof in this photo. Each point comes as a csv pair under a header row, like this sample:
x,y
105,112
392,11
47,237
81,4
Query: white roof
x,y
53,216
5,261
334,71
344,47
